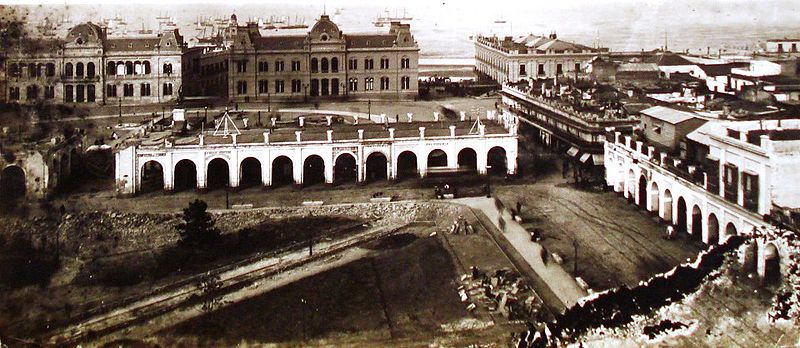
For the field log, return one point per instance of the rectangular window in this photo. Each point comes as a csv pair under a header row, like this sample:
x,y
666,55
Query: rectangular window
x,y
263,67
559,69
384,83
79,93
144,90
111,91
405,82
279,65
241,66
49,92
278,86
352,84
352,64
384,63
127,90
296,86
750,188
368,84
405,63
731,180
522,71
167,89
241,87
540,71
263,86
295,65
68,97
369,64
13,93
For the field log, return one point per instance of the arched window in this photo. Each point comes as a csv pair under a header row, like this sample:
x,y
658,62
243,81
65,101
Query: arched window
x,y
167,68
79,69
120,68
51,69
324,65
111,68
128,68
137,68
314,65
146,67
68,69
90,69
335,64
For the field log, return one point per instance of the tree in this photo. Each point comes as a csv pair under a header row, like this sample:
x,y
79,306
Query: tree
x,y
198,226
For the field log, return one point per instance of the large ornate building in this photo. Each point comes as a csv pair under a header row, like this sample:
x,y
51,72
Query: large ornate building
x,y
90,68
531,57
323,63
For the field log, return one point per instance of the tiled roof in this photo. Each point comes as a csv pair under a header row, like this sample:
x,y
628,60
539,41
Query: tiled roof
x,y
669,59
720,69
370,40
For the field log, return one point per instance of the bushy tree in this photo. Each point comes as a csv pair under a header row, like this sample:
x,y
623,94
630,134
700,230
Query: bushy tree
x,y
197,228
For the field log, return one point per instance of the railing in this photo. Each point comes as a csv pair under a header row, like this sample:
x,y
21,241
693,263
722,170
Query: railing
x,y
557,107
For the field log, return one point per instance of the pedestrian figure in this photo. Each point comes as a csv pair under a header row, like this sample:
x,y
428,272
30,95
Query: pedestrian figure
x,y
670,232
519,207
397,118
545,255
62,210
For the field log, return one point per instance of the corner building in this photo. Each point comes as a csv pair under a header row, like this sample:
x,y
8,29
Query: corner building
x,y
89,68
324,63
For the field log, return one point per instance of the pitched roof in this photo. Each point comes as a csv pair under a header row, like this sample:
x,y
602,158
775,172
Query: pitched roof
x,y
631,67
668,115
132,44
669,59
281,42
370,40
720,69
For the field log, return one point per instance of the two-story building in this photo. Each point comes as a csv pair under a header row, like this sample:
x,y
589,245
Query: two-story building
x,y
531,57
90,68
325,63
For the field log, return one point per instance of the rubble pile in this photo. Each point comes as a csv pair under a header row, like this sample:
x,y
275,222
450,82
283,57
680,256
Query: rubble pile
x,y
502,291
786,304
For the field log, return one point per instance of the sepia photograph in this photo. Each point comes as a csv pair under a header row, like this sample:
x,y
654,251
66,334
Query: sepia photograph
x,y
418,173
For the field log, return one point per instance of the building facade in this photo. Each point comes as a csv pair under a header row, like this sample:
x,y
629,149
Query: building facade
x,y
325,63
90,68
531,57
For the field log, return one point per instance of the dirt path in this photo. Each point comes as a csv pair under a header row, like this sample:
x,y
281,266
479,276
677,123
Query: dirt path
x,y
560,282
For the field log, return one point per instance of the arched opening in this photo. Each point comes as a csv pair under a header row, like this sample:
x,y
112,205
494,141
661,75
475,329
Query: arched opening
x,y
468,160
631,186
282,171
75,162
407,165
185,175
772,264
376,166
90,70
110,68
713,229
12,183
314,65
437,158
324,65
654,201
152,177
750,257
697,223
250,170
64,171
642,197
313,171
345,169
666,214
682,225
730,231
217,175
496,159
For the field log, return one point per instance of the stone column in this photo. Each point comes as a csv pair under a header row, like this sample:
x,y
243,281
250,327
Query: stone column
x,y
330,135
297,168
266,137
201,172
452,131
202,139
391,133
234,138
298,135
421,133
169,175
360,135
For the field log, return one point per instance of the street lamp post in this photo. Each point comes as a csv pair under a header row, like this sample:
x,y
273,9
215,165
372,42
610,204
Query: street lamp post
x,y
120,108
269,102
369,108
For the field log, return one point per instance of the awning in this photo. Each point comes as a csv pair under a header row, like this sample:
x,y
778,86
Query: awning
x,y
573,151
585,157
598,159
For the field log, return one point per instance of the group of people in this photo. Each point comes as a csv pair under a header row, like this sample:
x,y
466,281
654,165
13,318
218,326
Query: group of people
x,y
440,191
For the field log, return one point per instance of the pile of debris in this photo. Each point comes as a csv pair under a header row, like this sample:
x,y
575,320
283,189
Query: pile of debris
x,y
502,291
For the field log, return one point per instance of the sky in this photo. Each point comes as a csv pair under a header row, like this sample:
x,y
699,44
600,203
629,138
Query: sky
x,y
444,27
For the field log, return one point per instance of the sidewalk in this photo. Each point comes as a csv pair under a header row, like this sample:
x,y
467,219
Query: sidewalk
x,y
560,282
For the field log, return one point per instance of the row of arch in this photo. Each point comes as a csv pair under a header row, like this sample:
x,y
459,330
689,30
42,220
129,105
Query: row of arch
x,y
690,222
321,65
34,69
345,169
